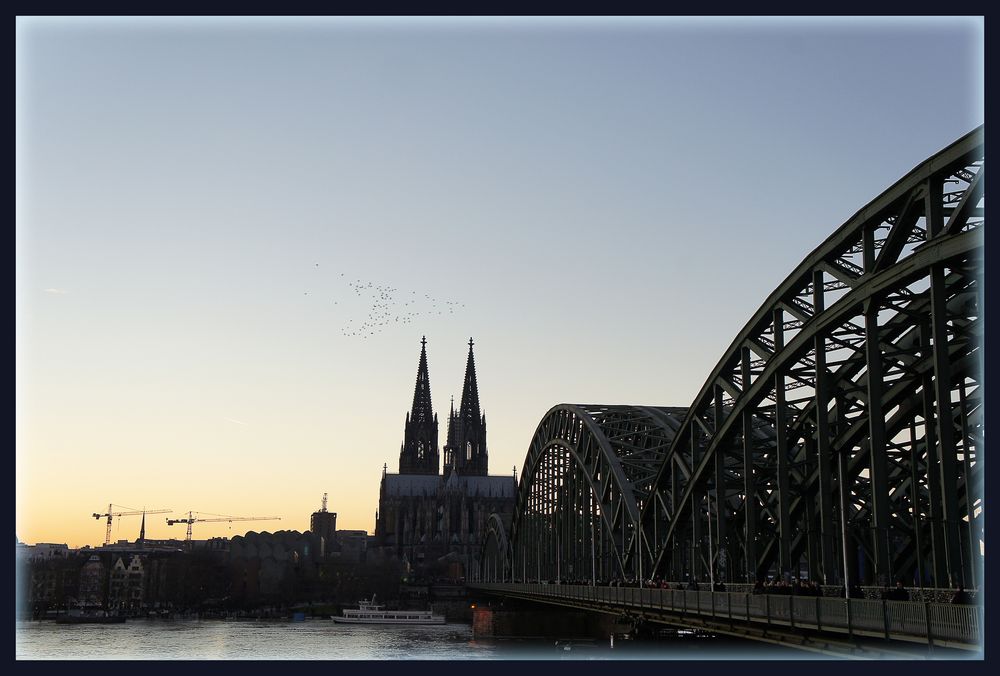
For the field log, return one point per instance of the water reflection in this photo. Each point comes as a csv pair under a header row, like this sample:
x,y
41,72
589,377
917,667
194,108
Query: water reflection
x,y
323,639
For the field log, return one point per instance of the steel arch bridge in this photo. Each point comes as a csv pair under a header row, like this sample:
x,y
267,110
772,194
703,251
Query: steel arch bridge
x,y
588,473
839,436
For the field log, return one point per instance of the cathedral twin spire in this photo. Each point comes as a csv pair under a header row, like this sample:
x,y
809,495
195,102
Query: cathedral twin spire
x,y
419,452
470,391
465,450
422,409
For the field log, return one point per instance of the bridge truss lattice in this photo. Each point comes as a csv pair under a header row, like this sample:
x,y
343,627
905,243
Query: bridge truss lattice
x,y
839,437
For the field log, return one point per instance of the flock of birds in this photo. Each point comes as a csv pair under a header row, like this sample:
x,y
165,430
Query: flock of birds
x,y
390,307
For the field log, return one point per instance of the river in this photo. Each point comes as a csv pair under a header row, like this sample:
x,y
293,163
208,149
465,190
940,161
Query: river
x,y
315,639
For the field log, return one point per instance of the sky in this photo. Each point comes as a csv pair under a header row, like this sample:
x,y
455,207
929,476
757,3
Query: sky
x,y
208,211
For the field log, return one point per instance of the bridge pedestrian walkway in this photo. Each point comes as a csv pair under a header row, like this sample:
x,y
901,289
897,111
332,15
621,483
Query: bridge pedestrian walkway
x,y
934,624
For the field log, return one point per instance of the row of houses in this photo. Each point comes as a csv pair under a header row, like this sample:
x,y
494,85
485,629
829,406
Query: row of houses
x,y
284,566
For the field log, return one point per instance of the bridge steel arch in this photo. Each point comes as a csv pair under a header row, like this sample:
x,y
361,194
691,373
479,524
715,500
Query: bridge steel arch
x,y
494,562
840,435
587,475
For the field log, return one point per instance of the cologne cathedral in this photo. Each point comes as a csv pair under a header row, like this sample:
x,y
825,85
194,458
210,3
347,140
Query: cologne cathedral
x,y
433,516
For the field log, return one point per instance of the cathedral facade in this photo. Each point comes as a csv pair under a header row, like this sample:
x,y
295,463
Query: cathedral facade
x,y
433,515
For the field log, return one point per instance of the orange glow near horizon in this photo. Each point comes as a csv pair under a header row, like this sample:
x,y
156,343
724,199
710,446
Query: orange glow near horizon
x,y
280,448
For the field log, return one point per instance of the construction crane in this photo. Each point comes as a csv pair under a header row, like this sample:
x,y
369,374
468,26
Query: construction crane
x,y
191,519
131,512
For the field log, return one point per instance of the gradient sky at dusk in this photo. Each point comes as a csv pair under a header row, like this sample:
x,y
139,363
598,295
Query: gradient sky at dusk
x,y
610,200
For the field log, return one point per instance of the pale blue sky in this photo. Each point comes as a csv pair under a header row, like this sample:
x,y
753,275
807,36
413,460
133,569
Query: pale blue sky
x,y
610,199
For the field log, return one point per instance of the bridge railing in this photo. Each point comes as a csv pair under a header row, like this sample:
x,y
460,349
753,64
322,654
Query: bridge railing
x,y
950,622
833,612
904,620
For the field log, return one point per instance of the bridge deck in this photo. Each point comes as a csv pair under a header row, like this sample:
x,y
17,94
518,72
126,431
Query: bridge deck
x,y
935,624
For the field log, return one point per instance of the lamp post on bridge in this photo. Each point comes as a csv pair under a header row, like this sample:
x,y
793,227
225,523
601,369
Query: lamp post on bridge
x,y
841,478
711,555
558,557
593,553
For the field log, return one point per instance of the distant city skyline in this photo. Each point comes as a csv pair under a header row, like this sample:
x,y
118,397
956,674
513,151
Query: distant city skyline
x,y
233,233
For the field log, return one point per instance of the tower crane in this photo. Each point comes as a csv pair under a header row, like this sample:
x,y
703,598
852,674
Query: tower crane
x,y
131,512
191,519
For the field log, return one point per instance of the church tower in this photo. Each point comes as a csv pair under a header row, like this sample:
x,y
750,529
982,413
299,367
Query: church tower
x,y
419,452
466,447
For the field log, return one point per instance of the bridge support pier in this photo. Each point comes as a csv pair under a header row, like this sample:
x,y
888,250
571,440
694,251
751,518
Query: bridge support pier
x,y
533,621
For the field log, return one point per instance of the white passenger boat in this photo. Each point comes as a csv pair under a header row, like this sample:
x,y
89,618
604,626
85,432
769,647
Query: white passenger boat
x,y
368,612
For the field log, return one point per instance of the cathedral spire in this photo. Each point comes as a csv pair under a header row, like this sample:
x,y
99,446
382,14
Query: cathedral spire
x,y
466,447
422,410
469,410
419,452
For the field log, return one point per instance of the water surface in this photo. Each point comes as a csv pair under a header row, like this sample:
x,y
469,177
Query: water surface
x,y
317,639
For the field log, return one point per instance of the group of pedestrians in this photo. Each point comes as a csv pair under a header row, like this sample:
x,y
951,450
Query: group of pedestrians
x,y
660,583
900,593
897,593
791,586
785,585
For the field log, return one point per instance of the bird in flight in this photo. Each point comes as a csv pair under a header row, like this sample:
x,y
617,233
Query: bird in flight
x,y
387,308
